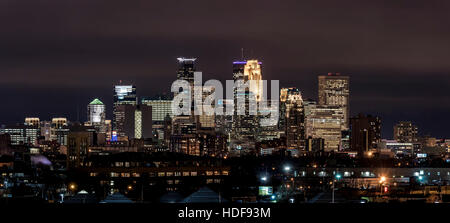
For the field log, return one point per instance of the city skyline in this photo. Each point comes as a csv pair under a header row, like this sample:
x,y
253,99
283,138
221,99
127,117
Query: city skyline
x,y
79,114
401,49
225,110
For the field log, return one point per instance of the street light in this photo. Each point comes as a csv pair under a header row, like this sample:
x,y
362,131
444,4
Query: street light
x,y
264,179
73,187
338,177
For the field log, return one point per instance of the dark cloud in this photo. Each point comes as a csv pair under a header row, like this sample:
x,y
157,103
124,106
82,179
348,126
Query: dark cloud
x,y
55,56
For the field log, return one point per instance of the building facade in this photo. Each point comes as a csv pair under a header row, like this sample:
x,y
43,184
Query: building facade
x,y
334,90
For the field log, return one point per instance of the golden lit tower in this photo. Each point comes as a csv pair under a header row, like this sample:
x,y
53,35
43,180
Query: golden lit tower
x,y
252,71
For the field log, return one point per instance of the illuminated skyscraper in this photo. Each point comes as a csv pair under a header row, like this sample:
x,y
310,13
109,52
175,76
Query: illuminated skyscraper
x,y
292,117
246,126
252,71
186,69
289,97
334,91
123,95
325,122
96,115
161,107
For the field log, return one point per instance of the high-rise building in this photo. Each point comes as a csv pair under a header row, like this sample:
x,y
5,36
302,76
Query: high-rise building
x,y
46,131
245,126
292,117
405,131
252,71
136,122
123,95
184,125
206,121
323,121
334,90
22,134
77,148
60,130
186,69
161,107
96,112
59,122
365,133
295,127
96,115
314,145
32,121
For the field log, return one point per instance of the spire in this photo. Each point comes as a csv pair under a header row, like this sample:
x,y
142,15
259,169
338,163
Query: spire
x,y
96,102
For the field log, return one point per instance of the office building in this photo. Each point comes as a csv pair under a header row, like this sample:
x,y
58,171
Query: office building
x,y
324,122
365,133
59,122
314,144
405,132
22,134
136,122
295,127
292,117
334,90
186,69
245,126
161,107
123,95
77,148
96,112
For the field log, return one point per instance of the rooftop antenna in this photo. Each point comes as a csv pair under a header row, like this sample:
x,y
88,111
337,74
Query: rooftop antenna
x,y
242,53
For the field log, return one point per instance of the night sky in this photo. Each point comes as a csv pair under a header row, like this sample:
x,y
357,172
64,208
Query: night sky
x,y
56,56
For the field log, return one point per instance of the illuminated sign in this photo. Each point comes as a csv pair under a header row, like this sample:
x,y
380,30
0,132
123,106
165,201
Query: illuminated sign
x,y
114,136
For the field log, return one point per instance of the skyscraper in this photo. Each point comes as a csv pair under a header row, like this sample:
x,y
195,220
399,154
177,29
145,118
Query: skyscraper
x,y
96,115
295,127
292,117
245,125
288,98
252,71
186,69
161,107
334,91
123,95
136,122
323,121
405,131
